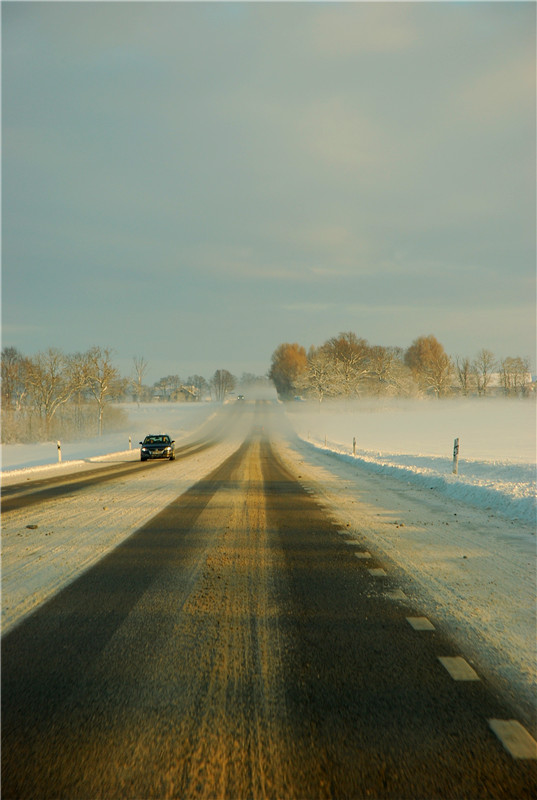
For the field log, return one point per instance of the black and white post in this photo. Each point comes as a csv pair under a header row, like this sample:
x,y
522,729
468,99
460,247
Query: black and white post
x,y
59,445
456,457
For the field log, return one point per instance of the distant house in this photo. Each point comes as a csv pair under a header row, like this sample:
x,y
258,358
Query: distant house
x,y
184,393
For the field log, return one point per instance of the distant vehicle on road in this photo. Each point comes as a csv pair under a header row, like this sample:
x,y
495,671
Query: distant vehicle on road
x,y
157,445
240,398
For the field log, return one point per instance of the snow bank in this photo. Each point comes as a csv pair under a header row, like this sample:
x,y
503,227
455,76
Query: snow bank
x,y
405,440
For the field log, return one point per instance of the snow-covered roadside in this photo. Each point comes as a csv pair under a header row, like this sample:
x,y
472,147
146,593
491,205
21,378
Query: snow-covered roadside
x,y
413,442
470,569
177,419
499,487
76,531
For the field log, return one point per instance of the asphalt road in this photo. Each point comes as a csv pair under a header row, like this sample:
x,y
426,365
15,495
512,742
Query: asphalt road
x,y
236,647
20,495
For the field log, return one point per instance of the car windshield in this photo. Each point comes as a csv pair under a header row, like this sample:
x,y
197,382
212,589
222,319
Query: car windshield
x,y
157,440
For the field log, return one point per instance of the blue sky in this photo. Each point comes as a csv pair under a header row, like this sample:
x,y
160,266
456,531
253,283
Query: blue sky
x,y
196,183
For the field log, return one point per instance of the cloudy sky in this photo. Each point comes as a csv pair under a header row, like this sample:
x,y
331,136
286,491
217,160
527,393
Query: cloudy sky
x,y
196,183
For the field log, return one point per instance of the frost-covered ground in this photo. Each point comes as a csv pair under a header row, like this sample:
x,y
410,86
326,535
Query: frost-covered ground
x,y
75,531
413,442
467,542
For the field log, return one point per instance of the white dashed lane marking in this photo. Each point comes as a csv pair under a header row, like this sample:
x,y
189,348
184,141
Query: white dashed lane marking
x,y
514,737
398,594
420,623
458,668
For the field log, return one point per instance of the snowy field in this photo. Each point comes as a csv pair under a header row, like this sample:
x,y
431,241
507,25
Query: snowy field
x,y
413,442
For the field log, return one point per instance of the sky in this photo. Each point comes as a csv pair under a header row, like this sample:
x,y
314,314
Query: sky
x,y
196,183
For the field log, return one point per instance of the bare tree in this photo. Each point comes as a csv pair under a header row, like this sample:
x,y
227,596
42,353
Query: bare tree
x,y
14,378
140,367
168,386
484,366
52,380
200,385
222,382
514,375
465,374
102,379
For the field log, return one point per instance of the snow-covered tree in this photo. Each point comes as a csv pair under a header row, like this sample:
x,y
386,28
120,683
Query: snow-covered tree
x,y
350,357
387,374
320,377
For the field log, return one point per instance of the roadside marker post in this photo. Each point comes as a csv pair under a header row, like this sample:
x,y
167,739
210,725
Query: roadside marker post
x,y
456,457
59,445
354,445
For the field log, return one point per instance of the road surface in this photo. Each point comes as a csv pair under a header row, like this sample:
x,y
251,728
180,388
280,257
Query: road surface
x,y
241,645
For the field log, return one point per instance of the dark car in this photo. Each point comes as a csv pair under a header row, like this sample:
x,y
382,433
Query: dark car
x,y
157,445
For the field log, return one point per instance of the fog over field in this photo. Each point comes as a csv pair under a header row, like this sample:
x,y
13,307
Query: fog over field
x,y
491,429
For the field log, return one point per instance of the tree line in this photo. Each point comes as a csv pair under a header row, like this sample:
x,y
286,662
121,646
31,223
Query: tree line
x,y
347,366
59,395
